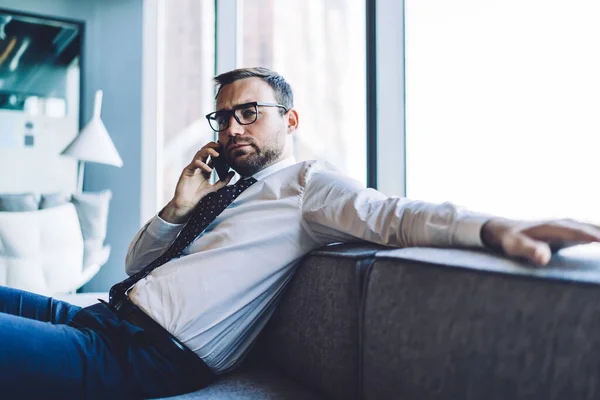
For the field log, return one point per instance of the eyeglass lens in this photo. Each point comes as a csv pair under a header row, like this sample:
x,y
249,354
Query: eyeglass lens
x,y
245,115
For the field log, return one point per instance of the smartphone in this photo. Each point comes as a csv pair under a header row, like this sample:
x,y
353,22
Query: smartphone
x,y
220,165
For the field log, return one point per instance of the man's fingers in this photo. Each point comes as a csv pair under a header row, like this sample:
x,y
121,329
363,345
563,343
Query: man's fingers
x,y
591,231
203,166
211,152
209,149
519,245
535,241
204,153
595,228
564,230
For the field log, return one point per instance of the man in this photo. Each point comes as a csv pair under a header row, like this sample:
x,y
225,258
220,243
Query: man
x,y
207,271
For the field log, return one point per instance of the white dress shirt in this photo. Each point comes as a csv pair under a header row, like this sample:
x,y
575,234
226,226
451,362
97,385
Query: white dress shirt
x,y
219,294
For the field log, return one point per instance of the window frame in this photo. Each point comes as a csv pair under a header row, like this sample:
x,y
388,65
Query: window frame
x,y
386,97
153,34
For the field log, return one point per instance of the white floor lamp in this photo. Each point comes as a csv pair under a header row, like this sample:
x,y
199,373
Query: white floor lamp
x,y
93,144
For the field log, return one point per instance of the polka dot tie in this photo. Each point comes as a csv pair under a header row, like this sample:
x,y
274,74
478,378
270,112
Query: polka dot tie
x,y
205,212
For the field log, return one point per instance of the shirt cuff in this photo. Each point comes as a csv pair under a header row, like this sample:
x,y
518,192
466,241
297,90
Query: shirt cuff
x,y
163,230
467,232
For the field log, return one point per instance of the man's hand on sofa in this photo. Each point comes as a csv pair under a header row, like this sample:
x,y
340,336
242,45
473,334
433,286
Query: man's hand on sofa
x,y
536,241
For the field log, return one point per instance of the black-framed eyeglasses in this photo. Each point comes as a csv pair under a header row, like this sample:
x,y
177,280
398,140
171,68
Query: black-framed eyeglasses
x,y
244,114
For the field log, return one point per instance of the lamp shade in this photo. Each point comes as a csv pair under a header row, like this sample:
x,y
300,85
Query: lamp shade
x,y
93,142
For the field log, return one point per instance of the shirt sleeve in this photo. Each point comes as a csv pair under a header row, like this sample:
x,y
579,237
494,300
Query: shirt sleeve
x,y
336,208
149,243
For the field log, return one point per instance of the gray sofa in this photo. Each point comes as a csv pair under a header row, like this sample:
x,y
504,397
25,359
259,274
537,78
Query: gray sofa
x,y
364,322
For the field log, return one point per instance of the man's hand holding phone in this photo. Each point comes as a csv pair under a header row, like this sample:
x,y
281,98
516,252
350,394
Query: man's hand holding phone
x,y
194,183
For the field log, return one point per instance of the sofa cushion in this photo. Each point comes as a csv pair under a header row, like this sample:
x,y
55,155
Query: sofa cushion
x,y
19,202
445,324
313,334
49,200
41,250
92,210
252,384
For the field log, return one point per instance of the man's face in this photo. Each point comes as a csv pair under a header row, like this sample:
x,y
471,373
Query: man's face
x,y
250,148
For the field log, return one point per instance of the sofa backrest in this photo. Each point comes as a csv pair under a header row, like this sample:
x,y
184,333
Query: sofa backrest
x,y
422,323
313,335
457,324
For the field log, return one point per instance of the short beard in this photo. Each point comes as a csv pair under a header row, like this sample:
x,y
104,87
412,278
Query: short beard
x,y
256,162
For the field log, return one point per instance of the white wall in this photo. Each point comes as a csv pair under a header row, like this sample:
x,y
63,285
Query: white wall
x,y
112,61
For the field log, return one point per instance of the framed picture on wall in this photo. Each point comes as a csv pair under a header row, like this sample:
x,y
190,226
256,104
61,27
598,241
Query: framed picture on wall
x,y
40,91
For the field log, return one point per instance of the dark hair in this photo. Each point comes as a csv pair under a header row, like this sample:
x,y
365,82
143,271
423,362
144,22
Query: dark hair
x,y
282,89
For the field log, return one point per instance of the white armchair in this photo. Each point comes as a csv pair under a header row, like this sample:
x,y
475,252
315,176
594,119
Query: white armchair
x,y
42,251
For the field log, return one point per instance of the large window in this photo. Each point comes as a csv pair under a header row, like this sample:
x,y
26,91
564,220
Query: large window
x,y
189,59
502,101
319,47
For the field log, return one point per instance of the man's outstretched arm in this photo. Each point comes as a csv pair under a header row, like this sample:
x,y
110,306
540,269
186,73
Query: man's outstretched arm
x,y
337,208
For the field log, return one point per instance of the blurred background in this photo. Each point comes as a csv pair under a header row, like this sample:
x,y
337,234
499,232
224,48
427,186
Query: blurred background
x,y
319,48
490,104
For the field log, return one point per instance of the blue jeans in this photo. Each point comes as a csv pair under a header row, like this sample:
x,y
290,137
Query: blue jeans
x,y
53,349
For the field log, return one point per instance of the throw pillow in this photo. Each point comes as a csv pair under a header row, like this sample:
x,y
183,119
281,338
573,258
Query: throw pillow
x,y
50,200
18,202
92,210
